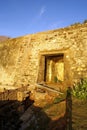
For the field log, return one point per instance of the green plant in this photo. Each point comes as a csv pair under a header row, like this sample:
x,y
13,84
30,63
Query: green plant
x,y
80,89
56,80
59,98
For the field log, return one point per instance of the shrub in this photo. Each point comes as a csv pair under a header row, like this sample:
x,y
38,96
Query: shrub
x,y
75,24
80,89
85,21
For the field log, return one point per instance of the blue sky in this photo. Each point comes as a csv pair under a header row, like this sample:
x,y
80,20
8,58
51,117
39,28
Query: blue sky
x,y
22,17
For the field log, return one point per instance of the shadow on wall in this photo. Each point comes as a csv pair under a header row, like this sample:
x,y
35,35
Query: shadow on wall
x,y
12,111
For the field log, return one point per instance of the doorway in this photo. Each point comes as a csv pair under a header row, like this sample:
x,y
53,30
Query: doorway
x,y
54,68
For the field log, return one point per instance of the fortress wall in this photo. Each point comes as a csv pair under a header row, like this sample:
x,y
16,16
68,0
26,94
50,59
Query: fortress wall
x,y
21,58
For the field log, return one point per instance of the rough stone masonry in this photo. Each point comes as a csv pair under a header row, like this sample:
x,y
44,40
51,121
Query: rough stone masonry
x,y
46,57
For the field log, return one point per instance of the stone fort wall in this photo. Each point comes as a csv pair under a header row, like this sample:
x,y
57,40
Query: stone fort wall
x,y
22,58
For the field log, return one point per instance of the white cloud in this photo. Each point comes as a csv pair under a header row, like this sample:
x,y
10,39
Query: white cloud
x,y
42,10
55,25
38,15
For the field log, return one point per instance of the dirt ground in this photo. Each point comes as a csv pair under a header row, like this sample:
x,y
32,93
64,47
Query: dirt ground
x,y
51,114
79,114
57,113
